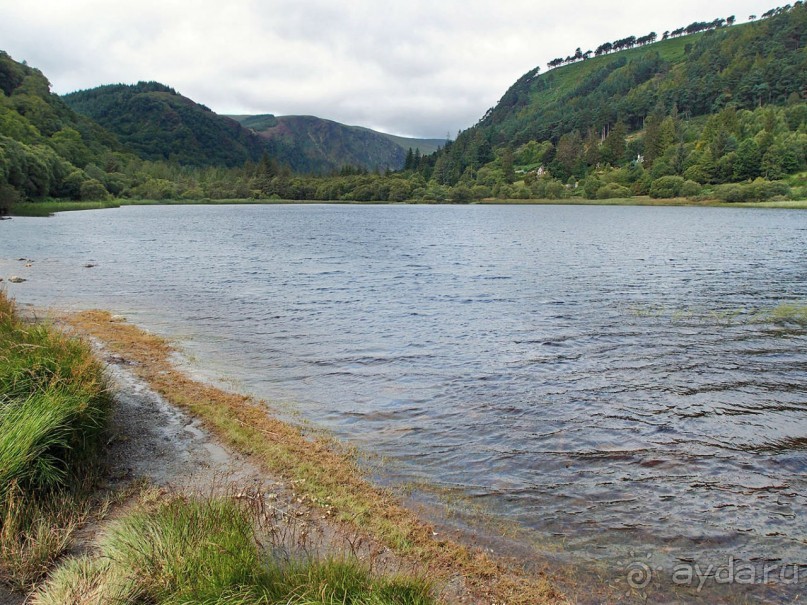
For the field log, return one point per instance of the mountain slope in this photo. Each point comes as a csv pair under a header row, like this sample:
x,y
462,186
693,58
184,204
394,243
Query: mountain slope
x,y
315,145
159,124
47,149
686,78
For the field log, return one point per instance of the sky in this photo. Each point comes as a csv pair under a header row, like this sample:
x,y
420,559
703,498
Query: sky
x,y
424,68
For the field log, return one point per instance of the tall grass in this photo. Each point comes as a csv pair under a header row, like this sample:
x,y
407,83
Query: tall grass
x,y
53,407
204,551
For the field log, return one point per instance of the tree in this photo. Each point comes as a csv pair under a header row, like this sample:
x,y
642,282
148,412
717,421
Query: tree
x,y
747,164
569,154
613,148
409,162
507,161
653,147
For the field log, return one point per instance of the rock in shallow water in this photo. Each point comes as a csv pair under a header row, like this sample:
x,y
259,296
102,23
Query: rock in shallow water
x,y
16,280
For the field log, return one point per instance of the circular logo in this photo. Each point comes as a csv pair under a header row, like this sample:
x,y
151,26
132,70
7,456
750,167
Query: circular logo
x,y
639,575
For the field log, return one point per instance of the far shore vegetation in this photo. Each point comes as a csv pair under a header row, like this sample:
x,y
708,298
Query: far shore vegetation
x,y
712,112
50,207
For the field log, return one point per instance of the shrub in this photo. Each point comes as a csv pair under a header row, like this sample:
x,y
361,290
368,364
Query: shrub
x,y
93,190
666,187
613,191
461,194
592,187
554,190
690,189
757,191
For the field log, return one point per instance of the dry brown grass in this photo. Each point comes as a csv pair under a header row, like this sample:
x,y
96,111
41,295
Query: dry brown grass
x,y
325,475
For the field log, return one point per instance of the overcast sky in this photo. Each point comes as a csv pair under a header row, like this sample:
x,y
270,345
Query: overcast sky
x,y
413,67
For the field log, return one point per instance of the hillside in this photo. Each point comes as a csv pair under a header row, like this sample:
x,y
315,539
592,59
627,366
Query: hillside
x,y
157,123
47,149
314,145
682,105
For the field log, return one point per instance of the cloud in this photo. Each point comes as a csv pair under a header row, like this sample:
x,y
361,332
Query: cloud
x,y
422,67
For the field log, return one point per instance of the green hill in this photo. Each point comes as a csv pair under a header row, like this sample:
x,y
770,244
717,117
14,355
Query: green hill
x,y
157,123
46,149
722,105
314,145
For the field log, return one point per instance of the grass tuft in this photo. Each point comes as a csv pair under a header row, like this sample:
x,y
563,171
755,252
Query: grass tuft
x,y
204,551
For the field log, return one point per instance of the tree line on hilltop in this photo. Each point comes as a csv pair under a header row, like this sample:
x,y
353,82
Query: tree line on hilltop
x,y
633,41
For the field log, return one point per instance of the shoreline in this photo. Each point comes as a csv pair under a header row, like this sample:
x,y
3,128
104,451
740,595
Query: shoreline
x,y
48,208
235,430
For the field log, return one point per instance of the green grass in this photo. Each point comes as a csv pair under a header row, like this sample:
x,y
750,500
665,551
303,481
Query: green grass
x,y
566,78
53,409
182,551
790,313
49,207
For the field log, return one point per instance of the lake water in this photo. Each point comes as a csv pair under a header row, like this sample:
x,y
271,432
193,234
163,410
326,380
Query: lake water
x,y
621,383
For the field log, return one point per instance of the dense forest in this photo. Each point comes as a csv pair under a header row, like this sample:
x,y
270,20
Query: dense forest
x,y
715,114
157,123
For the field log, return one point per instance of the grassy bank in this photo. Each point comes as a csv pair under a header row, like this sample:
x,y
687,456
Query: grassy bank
x,y
53,407
49,207
321,472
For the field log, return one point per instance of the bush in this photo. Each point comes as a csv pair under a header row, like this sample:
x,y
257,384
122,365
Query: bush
x,y
461,194
554,190
93,190
612,191
641,186
480,192
8,197
690,189
759,190
666,187
799,193
592,187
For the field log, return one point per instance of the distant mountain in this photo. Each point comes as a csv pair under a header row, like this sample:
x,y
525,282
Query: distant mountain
x,y
315,145
425,146
158,123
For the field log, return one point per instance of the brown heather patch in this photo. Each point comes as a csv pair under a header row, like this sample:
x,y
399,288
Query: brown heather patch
x,y
328,477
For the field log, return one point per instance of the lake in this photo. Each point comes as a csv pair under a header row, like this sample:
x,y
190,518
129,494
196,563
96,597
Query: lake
x,y
625,386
